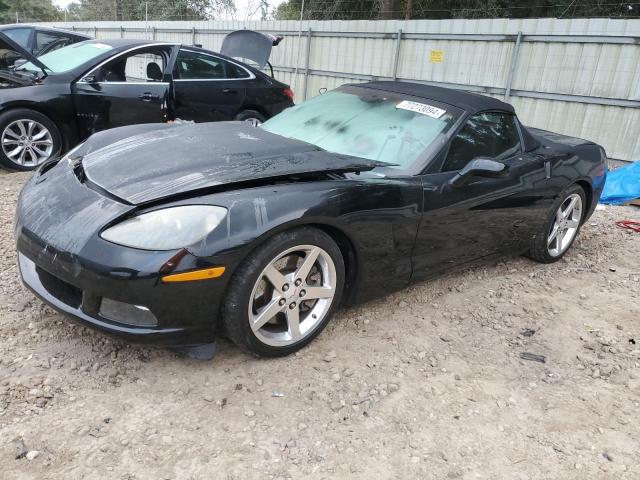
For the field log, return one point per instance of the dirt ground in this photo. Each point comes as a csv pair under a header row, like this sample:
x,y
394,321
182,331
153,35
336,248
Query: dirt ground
x,y
427,383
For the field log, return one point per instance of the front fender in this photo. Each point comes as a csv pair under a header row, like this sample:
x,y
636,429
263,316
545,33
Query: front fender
x,y
379,216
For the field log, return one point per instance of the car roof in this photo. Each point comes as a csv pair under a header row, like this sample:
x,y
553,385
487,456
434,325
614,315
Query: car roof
x,y
470,102
44,29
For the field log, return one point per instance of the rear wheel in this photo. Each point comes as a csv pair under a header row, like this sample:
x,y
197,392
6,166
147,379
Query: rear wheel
x,y
27,139
561,228
252,117
285,293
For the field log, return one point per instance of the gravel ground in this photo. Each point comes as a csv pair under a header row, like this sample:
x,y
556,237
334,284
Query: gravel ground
x,y
426,383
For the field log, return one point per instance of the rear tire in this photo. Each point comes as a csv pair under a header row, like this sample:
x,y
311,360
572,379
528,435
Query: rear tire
x,y
27,139
252,117
561,227
284,293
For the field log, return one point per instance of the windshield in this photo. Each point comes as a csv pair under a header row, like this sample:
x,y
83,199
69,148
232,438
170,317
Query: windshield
x,y
366,123
69,57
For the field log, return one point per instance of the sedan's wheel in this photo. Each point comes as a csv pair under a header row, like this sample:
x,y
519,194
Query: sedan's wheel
x,y
27,139
561,227
251,116
289,288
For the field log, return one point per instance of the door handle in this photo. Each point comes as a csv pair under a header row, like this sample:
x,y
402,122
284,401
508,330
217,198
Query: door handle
x,y
229,90
148,96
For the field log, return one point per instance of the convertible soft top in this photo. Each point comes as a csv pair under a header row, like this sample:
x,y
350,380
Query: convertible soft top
x,y
470,102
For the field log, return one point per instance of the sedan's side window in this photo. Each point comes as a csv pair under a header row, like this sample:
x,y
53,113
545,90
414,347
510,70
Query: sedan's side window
x,y
493,135
137,67
199,66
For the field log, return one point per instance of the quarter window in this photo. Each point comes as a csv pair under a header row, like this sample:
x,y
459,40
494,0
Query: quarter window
x,y
493,135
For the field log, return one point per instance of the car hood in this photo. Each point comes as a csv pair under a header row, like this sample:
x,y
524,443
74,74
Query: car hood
x,y
152,162
9,47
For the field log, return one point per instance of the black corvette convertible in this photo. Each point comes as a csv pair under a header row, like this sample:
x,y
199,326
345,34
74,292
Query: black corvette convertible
x,y
178,233
51,103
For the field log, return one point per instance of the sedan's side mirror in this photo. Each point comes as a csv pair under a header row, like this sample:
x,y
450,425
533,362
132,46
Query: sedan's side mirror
x,y
90,79
478,167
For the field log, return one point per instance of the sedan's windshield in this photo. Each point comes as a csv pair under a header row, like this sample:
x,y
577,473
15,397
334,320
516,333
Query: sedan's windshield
x,y
366,123
69,57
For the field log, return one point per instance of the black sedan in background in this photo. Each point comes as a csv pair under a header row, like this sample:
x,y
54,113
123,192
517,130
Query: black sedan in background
x,y
51,103
179,233
37,40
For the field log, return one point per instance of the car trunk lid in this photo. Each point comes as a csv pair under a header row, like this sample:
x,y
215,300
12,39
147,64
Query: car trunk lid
x,y
170,160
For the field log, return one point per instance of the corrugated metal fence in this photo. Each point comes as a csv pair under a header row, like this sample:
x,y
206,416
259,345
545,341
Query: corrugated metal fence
x,y
579,77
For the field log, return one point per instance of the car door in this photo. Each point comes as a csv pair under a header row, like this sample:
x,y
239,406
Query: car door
x,y
128,89
486,215
207,88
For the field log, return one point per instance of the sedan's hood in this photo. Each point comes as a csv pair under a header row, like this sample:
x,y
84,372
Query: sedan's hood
x,y
159,161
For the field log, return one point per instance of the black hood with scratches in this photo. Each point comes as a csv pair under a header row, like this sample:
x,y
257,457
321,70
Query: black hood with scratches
x,y
152,162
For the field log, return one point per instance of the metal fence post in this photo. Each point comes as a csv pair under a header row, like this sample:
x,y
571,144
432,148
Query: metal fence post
x,y
153,33
512,69
95,32
193,36
121,31
306,66
396,55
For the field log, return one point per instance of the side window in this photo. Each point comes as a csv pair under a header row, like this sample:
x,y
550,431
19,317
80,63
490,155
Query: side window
x,y
137,67
493,135
199,66
19,35
45,41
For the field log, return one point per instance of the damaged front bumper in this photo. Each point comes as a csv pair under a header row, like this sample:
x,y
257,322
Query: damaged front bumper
x,y
109,287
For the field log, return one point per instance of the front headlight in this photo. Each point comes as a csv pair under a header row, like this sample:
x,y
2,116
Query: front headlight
x,y
166,229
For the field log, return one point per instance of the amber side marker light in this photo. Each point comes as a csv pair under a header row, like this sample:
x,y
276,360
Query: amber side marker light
x,y
204,274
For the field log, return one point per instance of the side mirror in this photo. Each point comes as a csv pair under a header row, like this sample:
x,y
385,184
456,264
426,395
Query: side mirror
x,y
18,63
478,167
90,79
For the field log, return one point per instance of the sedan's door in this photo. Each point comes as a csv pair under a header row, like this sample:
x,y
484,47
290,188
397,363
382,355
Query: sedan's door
x,y
207,88
129,89
486,215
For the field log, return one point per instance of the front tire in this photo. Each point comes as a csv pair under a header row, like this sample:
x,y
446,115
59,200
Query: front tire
x,y
561,227
27,139
284,294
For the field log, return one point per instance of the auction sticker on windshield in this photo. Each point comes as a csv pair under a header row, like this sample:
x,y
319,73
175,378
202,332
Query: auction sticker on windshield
x,y
423,108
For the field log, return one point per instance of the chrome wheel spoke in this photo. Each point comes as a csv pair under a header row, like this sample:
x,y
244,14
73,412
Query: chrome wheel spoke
x,y
313,293
266,314
10,133
275,278
573,223
303,272
293,322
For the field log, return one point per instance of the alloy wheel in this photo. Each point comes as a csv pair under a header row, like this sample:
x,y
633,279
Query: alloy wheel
x,y
253,121
565,226
292,295
27,142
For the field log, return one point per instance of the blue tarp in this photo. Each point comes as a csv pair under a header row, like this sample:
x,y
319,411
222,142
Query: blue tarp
x,y
622,185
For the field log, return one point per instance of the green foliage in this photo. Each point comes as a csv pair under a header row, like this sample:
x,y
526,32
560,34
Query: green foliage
x,y
444,9
28,11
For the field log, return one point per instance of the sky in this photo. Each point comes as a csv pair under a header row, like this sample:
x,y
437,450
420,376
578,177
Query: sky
x,y
243,7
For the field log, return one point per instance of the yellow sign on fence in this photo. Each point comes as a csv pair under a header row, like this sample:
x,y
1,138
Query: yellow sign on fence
x,y
436,56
